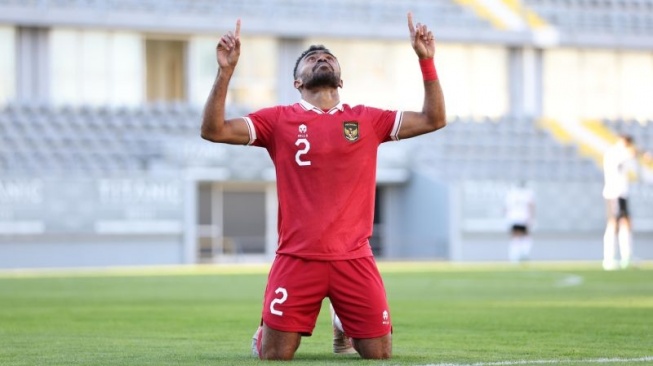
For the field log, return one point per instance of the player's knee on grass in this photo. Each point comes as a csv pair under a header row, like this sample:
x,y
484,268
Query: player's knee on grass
x,y
374,348
277,345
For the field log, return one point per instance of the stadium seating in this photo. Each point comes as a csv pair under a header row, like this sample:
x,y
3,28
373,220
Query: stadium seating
x,y
508,148
605,17
100,141
40,139
182,13
97,140
642,131
582,22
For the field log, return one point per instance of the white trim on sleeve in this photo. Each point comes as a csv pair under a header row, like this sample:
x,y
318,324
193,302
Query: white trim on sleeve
x,y
252,130
394,134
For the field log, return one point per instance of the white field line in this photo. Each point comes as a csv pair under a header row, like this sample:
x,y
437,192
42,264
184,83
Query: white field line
x,y
570,281
548,362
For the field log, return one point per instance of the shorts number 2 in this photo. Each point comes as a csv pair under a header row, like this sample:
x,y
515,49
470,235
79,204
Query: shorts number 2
x,y
284,297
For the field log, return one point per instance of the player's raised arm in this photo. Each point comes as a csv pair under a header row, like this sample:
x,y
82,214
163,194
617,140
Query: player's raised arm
x,y
646,156
214,126
433,115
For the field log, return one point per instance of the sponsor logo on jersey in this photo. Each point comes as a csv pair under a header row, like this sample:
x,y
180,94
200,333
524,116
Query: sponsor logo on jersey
x,y
386,317
302,132
351,130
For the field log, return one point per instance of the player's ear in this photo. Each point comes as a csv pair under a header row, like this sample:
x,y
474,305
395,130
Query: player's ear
x,y
341,83
298,83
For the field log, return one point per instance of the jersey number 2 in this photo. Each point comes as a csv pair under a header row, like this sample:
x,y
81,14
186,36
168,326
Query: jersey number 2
x,y
303,151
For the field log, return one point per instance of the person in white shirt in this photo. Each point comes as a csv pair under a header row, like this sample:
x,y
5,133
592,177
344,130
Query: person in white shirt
x,y
520,214
619,164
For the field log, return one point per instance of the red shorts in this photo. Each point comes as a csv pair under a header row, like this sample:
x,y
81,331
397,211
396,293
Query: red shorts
x,y
296,288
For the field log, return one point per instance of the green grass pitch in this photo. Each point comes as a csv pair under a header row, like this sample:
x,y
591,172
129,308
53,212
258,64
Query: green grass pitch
x,y
443,314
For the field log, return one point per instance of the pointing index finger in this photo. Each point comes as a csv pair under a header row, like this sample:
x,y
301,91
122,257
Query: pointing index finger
x,y
237,34
411,27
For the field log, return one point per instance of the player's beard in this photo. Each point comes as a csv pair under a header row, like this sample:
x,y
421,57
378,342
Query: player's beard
x,y
320,79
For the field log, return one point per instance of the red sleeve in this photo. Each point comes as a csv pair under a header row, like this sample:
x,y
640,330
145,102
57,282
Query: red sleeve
x,y
261,125
386,123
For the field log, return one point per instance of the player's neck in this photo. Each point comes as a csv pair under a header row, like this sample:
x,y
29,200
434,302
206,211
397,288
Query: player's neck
x,y
324,99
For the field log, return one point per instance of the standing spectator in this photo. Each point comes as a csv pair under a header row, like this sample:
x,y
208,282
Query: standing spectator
x,y
520,214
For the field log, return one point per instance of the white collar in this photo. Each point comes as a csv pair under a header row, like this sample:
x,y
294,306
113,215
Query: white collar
x,y
309,107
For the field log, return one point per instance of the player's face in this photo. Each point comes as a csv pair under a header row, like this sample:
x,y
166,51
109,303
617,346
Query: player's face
x,y
319,69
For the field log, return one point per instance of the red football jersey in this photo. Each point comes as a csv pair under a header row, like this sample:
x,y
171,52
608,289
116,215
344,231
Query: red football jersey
x,y
325,165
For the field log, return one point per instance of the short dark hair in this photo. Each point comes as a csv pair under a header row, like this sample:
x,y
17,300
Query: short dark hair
x,y
628,139
313,48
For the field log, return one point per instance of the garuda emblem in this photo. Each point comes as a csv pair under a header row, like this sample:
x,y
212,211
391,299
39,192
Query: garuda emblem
x,y
351,130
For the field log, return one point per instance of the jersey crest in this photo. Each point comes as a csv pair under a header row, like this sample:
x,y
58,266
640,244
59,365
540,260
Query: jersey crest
x,y
350,129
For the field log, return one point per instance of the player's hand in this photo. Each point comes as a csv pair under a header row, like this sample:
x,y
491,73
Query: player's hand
x,y
421,38
228,49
